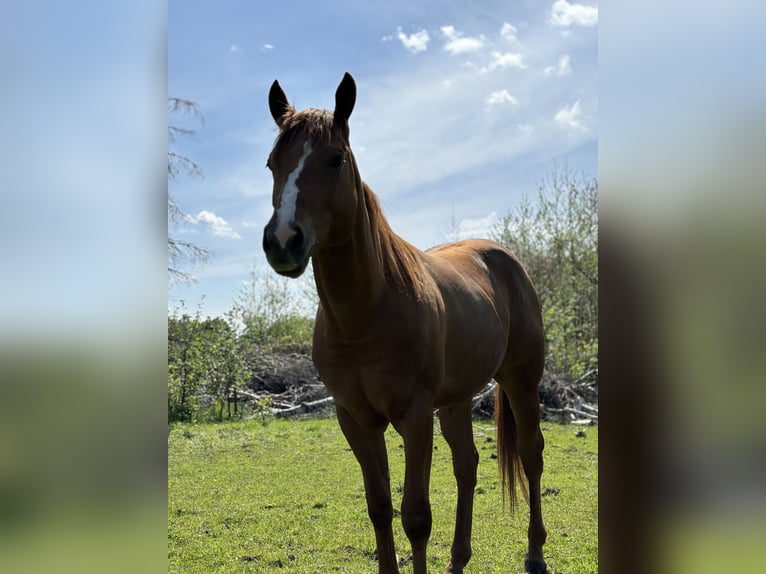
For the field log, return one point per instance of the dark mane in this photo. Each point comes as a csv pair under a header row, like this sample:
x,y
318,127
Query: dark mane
x,y
314,123
402,266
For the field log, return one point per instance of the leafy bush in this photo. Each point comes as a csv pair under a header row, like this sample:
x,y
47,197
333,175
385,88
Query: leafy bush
x,y
205,366
185,366
556,238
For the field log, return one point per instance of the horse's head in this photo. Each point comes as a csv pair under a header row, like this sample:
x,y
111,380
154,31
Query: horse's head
x,y
314,198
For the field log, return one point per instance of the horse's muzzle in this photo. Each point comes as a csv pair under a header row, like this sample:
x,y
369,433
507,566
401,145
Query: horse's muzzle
x,y
291,257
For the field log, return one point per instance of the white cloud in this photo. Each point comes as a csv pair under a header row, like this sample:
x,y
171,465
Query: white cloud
x,y
501,97
217,224
570,117
417,42
233,48
459,44
386,38
563,68
268,47
505,60
565,14
508,31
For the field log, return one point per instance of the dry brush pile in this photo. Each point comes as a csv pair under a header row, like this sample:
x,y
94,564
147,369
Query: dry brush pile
x,y
287,378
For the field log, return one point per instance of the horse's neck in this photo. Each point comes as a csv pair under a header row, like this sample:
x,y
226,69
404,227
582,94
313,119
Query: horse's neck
x,y
350,277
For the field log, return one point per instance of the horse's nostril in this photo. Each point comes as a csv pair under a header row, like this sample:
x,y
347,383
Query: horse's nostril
x,y
271,243
296,241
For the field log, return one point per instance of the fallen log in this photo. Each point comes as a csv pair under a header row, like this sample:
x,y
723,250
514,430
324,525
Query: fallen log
x,y
589,409
580,413
585,377
303,407
252,395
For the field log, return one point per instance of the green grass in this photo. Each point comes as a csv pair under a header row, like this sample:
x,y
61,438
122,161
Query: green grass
x,y
288,497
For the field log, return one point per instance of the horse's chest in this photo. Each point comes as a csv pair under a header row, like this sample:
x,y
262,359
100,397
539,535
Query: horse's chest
x,y
376,377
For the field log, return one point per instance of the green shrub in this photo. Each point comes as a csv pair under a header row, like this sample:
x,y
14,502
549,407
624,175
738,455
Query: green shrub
x,y
206,364
556,238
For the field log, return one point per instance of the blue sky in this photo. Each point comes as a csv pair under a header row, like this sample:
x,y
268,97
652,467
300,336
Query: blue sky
x,y
461,108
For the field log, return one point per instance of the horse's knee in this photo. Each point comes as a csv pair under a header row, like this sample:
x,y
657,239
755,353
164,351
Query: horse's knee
x,y
416,520
381,512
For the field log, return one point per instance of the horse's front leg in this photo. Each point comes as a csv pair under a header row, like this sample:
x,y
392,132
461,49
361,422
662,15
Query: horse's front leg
x,y
369,447
416,428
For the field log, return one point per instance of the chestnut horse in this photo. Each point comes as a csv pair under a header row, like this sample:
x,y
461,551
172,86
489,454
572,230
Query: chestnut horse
x,y
401,332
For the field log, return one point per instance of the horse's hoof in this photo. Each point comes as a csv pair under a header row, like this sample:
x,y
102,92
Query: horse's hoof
x,y
535,567
450,569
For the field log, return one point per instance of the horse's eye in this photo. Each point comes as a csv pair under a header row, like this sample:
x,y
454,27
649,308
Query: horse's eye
x,y
337,161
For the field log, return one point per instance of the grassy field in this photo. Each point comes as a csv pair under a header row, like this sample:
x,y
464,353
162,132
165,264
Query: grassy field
x,y
288,497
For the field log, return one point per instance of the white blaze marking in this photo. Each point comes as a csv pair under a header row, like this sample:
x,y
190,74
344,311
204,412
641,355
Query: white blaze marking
x,y
289,199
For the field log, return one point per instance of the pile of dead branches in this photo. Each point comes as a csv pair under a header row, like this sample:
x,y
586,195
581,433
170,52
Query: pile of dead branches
x,y
288,379
573,402
561,401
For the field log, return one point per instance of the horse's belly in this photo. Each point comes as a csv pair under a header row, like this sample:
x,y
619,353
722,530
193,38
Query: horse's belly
x,y
471,360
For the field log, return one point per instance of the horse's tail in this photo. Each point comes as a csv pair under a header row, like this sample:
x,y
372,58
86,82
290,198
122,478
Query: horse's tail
x,y
508,457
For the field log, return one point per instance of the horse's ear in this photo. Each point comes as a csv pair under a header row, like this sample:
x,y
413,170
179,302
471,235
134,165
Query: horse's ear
x,y
345,98
278,103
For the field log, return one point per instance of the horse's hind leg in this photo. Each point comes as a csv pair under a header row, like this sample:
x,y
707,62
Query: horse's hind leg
x,y
520,384
457,430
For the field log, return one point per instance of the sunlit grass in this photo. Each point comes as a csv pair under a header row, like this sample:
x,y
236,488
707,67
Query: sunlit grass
x,y
288,497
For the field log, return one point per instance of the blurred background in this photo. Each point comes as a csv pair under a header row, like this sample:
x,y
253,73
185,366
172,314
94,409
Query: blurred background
x,y
682,325
83,133
83,295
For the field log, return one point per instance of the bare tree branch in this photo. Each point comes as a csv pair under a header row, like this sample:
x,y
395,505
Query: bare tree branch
x,y
182,252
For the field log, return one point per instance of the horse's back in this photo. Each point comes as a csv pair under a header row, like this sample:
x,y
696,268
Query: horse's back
x,y
493,267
